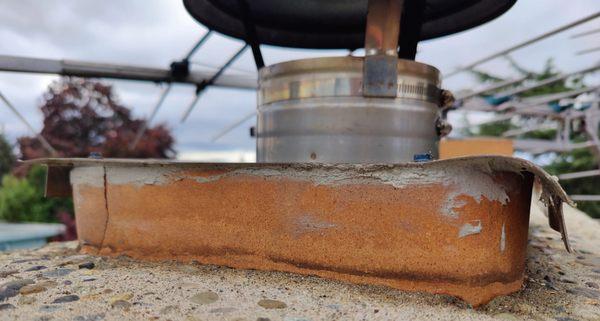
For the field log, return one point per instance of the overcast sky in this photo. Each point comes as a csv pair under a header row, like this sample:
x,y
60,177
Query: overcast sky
x,y
156,32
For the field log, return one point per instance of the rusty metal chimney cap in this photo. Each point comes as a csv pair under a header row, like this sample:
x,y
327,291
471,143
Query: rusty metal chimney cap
x,y
340,24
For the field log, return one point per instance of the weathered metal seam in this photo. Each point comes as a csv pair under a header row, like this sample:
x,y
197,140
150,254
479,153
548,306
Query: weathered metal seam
x,y
106,208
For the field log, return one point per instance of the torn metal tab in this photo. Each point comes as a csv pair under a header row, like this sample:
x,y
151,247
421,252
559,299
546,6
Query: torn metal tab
x,y
470,228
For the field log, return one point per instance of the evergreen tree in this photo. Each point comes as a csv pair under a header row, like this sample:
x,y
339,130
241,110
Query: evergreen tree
x,y
567,162
7,158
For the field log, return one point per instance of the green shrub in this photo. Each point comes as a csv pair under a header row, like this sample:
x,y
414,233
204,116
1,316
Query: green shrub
x,y
22,200
7,158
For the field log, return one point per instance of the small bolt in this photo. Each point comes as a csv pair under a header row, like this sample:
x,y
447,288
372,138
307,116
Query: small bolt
x,y
421,158
87,265
95,155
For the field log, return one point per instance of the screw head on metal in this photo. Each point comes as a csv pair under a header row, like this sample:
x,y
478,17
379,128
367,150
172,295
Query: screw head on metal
x,y
95,155
420,158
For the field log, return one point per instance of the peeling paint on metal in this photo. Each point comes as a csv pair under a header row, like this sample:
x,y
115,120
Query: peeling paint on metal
x,y
308,223
208,179
472,181
92,176
503,239
486,164
474,227
452,203
88,175
140,176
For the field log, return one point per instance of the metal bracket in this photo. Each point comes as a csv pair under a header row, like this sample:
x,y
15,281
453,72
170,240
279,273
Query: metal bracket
x,y
380,76
180,69
251,36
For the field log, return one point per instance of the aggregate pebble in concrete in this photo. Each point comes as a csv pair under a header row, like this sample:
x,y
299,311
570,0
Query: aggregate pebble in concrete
x,y
207,297
6,306
66,299
32,288
272,304
36,268
57,273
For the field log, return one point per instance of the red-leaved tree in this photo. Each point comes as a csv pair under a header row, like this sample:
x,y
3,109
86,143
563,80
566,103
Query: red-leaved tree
x,y
83,116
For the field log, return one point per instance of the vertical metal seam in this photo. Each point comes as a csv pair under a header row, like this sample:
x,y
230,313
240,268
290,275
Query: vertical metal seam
x,y
105,208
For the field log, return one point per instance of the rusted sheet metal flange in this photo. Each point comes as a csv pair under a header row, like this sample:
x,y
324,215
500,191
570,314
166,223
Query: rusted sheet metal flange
x,y
456,226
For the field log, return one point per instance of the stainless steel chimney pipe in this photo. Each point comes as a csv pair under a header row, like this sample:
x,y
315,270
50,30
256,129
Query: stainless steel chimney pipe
x,y
314,110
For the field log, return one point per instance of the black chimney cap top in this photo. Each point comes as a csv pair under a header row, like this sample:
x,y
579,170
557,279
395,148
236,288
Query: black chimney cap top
x,y
333,24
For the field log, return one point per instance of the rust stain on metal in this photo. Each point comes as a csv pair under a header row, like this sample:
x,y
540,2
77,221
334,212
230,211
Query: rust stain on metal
x,y
375,224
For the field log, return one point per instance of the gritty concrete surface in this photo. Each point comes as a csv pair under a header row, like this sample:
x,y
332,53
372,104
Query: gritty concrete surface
x,y
57,283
